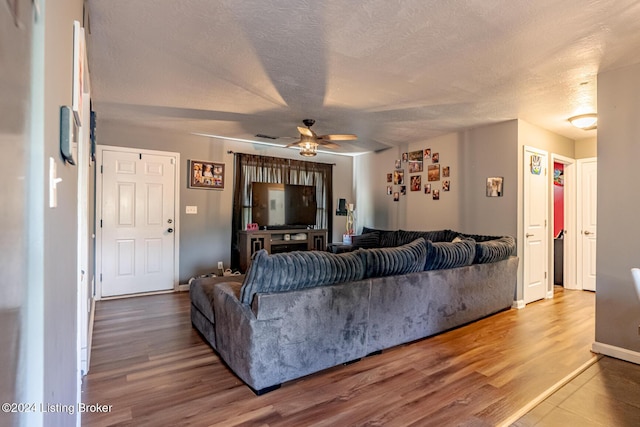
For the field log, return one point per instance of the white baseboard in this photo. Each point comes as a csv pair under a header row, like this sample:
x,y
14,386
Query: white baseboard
x,y
518,304
617,352
549,295
183,287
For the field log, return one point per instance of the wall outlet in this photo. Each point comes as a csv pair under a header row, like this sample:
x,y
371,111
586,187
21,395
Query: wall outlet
x,y
220,265
191,210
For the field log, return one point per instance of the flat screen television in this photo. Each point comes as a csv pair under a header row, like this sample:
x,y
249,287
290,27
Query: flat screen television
x,y
283,205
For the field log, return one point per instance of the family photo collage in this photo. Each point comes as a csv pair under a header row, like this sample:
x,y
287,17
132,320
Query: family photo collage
x,y
437,179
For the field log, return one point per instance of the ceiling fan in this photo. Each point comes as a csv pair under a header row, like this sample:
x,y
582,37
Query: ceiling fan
x,y
309,140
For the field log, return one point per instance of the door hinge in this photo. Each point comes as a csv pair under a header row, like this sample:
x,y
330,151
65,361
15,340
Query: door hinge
x,y
140,156
545,274
100,277
101,169
100,223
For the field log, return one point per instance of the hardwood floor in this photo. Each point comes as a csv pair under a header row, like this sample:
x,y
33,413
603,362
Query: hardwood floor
x,y
155,370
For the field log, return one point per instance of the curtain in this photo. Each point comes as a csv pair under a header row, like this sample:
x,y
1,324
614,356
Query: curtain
x,y
250,168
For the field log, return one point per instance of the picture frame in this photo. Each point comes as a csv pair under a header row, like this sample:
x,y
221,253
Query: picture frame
x,y
398,177
79,66
494,186
206,175
416,182
415,161
433,172
427,189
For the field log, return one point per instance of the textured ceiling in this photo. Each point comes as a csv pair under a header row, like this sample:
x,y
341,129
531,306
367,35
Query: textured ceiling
x,y
391,71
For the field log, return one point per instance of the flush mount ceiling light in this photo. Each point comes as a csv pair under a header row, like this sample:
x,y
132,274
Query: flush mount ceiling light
x,y
585,121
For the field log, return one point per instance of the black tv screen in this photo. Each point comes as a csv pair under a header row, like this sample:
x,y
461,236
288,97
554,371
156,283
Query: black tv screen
x,y
283,205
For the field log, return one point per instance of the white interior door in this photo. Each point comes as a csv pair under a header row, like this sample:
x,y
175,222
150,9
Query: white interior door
x,y
588,221
535,225
138,222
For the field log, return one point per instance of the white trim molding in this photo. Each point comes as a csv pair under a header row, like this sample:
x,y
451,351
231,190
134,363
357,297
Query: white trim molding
x,y
617,352
518,304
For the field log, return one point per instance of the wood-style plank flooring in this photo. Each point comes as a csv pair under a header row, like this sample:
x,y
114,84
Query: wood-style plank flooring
x,y
155,370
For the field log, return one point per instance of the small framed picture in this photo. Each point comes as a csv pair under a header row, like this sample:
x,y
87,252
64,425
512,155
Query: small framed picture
x,y
427,189
435,158
389,190
403,190
446,185
398,177
433,172
494,186
427,153
389,177
436,194
398,164
206,174
405,157
396,196
416,182
445,171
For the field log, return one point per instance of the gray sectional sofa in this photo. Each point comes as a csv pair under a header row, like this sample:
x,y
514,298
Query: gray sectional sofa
x,y
297,313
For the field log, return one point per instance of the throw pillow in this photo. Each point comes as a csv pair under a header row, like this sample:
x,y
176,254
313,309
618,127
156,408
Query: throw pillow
x,y
441,255
403,259
298,270
367,240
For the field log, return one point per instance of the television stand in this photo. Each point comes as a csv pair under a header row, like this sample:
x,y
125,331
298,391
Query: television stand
x,y
275,241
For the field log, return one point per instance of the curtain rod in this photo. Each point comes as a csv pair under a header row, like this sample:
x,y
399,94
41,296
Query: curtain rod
x,y
284,158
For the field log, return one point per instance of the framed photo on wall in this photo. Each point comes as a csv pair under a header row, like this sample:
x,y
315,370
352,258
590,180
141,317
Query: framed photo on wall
x,y
206,174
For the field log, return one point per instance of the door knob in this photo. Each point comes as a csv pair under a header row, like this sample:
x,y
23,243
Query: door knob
x,y
528,235
170,230
587,232
169,220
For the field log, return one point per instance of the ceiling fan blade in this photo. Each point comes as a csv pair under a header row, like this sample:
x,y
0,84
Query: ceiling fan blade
x,y
325,144
306,131
294,144
338,137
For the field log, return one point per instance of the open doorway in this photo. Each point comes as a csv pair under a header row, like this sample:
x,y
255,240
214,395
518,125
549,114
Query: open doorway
x,y
563,210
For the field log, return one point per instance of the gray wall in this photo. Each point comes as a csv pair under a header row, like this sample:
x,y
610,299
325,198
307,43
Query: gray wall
x,y
374,208
15,45
49,356
617,306
205,238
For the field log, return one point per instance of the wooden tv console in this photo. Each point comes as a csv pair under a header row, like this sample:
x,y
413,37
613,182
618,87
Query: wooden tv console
x,y
274,241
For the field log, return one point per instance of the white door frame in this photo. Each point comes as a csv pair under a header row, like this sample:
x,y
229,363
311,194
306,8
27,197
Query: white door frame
x,y
176,225
579,225
570,236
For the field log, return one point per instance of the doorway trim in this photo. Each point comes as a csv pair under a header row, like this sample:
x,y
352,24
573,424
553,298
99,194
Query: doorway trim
x,y
176,242
570,205
579,224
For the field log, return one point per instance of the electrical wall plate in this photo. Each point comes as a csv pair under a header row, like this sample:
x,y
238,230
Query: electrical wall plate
x,y
66,134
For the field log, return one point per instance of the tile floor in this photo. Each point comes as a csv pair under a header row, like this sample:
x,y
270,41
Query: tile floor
x,y
605,394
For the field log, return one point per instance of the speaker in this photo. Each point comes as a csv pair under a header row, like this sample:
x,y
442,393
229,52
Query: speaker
x,y
342,207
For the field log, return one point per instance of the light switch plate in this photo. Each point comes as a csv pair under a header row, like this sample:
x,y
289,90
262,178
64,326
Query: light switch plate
x,y
192,210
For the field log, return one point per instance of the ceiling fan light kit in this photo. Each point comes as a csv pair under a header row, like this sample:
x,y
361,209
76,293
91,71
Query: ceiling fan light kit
x,y
309,140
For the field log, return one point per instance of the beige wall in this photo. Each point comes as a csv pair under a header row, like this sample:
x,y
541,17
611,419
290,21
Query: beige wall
x,y
618,247
205,238
585,148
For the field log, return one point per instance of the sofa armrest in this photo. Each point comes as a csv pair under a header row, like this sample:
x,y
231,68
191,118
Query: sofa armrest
x,y
249,346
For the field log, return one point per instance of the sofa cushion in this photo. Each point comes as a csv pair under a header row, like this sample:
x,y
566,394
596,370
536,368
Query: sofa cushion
x,y
493,248
450,254
403,259
298,270
366,240
435,236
